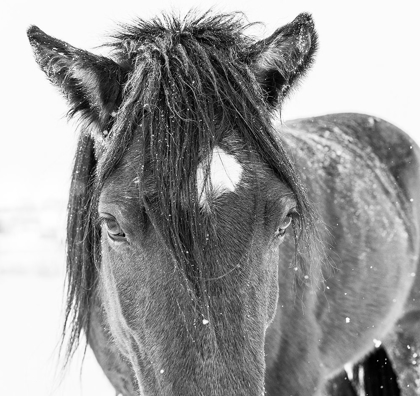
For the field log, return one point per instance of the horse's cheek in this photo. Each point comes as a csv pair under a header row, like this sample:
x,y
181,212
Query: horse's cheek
x,y
272,281
109,297
118,288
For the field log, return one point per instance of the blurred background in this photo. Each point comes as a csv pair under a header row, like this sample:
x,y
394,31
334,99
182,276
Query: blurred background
x,y
368,62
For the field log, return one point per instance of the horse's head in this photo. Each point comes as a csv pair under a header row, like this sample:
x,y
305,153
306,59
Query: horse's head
x,y
182,195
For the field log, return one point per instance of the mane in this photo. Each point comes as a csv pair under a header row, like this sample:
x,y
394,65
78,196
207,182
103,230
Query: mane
x,y
188,83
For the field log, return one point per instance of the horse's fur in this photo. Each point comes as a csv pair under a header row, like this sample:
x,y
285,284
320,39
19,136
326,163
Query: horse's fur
x,y
177,300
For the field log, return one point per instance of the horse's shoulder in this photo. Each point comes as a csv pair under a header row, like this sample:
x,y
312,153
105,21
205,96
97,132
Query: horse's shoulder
x,y
371,135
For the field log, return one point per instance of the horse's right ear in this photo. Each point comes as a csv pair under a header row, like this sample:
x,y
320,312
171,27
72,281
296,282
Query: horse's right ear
x,y
91,83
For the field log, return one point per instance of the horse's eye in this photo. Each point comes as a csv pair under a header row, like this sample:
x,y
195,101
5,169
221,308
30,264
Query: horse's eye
x,y
281,231
113,228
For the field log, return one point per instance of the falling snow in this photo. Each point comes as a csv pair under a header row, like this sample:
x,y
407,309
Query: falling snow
x,y
377,343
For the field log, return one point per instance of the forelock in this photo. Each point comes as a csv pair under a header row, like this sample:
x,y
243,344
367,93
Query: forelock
x,y
189,84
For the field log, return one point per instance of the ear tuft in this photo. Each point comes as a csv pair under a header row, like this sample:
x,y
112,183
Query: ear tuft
x,y
91,83
283,58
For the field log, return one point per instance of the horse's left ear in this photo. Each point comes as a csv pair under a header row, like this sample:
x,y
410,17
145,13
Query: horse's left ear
x,y
280,60
91,83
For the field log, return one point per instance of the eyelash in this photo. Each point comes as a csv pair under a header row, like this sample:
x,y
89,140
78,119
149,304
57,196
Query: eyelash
x,y
289,220
281,231
107,221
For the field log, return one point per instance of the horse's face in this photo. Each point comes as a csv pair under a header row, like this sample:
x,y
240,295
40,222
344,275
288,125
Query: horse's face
x,y
152,308
193,196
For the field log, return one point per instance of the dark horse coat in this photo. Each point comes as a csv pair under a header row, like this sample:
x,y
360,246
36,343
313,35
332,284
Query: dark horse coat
x,y
215,251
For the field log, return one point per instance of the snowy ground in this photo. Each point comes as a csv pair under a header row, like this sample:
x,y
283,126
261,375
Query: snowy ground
x,y
31,290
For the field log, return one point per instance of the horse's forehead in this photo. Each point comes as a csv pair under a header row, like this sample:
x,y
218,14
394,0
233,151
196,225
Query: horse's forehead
x,y
229,166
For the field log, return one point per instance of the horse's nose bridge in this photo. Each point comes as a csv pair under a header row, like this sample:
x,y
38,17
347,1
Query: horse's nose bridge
x,y
198,370
179,337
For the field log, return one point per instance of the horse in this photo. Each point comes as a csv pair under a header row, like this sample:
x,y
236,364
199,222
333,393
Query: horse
x,y
213,249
